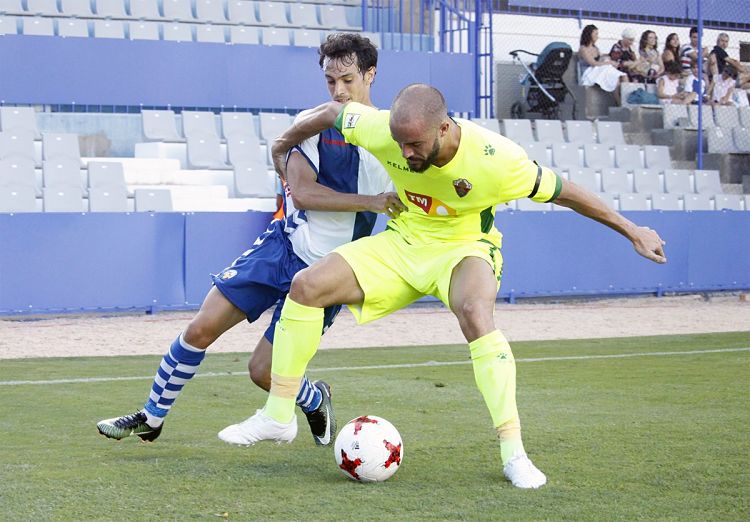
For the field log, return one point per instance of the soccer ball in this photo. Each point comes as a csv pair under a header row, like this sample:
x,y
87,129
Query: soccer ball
x,y
368,449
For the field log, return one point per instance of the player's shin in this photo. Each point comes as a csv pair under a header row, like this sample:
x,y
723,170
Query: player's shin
x,y
296,340
495,375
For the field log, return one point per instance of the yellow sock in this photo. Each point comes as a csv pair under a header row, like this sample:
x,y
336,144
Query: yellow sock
x,y
495,375
296,340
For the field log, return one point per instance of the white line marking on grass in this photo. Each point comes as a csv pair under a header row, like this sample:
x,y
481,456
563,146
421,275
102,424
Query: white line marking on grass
x,y
392,366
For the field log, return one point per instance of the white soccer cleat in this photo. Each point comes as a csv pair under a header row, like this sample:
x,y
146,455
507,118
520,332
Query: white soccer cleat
x,y
257,428
522,473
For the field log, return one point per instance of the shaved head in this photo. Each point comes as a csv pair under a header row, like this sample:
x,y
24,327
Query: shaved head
x,y
419,104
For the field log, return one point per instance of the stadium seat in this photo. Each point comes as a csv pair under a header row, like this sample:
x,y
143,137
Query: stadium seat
x,y
110,8
144,30
42,7
549,131
211,11
741,139
153,200
579,131
610,133
273,14
657,157
634,202
105,174
244,35
17,199
199,122
77,8
56,145
18,172
237,124
304,15
697,202
8,25
565,155
108,199
744,113
145,9
647,181
160,126
488,123
19,143
728,202
12,7
727,117
243,149
666,201
307,38
62,172
720,140
597,156
272,124
518,130
708,182
525,204
62,199
73,28
204,152
38,26
17,119
675,116
537,152
109,29
587,178
241,12
178,10
254,179
275,36
678,182
210,33
628,157
616,181
708,117
334,16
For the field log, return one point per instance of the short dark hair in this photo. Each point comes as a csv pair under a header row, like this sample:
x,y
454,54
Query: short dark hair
x,y
729,70
586,34
343,45
673,67
693,30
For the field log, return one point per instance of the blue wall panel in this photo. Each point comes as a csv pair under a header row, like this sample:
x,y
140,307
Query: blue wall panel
x,y
719,249
212,242
82,261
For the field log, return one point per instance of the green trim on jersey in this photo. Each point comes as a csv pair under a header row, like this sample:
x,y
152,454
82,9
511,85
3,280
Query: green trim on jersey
x,y
494,250
558,188
340,119
488,219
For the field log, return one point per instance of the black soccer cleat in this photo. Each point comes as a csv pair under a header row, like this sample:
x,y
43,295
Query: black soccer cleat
x,y
322,421
134,424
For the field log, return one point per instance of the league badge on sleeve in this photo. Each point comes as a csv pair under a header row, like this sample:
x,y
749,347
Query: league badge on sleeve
x,y
351,120
462,187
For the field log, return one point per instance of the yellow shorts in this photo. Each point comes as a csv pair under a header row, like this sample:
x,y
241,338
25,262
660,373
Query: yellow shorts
x,y
394,273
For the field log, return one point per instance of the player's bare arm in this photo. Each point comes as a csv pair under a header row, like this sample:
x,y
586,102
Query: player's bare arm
x,y
645,240
307,194
306,125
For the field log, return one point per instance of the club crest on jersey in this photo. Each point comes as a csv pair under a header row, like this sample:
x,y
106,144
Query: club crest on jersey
x,y
462,187
228,274
431,206
351,121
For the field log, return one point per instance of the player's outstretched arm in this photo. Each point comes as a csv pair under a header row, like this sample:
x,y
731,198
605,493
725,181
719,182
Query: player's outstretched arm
x,y
645,240
306,125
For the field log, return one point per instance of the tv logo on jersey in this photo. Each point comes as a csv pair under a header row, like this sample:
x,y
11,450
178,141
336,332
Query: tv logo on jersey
x,y
430,205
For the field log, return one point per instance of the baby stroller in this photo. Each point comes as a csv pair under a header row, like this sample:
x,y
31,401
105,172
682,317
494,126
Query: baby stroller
x,y
543,82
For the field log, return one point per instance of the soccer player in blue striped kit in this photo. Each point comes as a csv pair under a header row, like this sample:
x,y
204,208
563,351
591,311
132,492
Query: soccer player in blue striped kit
x,y
333,192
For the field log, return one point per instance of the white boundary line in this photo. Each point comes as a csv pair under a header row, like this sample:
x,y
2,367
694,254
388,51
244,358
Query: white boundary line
x,y
392,366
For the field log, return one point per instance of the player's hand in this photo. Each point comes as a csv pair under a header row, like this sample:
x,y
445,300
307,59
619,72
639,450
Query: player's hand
x,y
387,203
648,244
278,156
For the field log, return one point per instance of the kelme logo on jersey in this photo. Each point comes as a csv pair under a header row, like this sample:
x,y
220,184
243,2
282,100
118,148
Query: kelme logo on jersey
x,y
228,274
462,187
430,205
351,120
489,150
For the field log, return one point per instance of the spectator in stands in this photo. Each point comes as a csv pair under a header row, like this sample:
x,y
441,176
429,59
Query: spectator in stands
x,y
693,84
689,51
623,55
647,49
668,87
671,51
333,189
721,91
597,69
719,58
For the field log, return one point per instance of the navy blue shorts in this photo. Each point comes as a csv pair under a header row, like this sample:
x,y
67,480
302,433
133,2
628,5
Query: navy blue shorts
x,y
260,278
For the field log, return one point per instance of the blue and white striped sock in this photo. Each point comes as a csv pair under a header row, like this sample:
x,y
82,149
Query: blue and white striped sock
x,y
177,367
309,396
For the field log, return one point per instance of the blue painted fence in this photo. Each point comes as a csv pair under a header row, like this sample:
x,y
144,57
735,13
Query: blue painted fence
x,y
84,262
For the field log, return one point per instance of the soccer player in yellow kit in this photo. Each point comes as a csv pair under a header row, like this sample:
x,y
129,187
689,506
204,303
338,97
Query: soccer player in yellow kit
x,y
451,174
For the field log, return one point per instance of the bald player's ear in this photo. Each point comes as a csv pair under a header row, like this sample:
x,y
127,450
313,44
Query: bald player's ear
x,y
444,128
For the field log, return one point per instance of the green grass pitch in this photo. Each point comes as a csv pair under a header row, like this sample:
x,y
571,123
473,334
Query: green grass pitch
x,y
660,437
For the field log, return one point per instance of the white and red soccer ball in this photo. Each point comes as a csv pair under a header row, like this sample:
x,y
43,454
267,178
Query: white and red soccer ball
x,y
368,449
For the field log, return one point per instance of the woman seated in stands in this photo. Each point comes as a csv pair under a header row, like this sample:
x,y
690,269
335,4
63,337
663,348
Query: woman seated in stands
x,y
671,51
597,69
653,66
668,87
721,91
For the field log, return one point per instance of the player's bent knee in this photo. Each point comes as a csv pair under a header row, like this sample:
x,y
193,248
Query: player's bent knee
x,y
200,334
305,289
